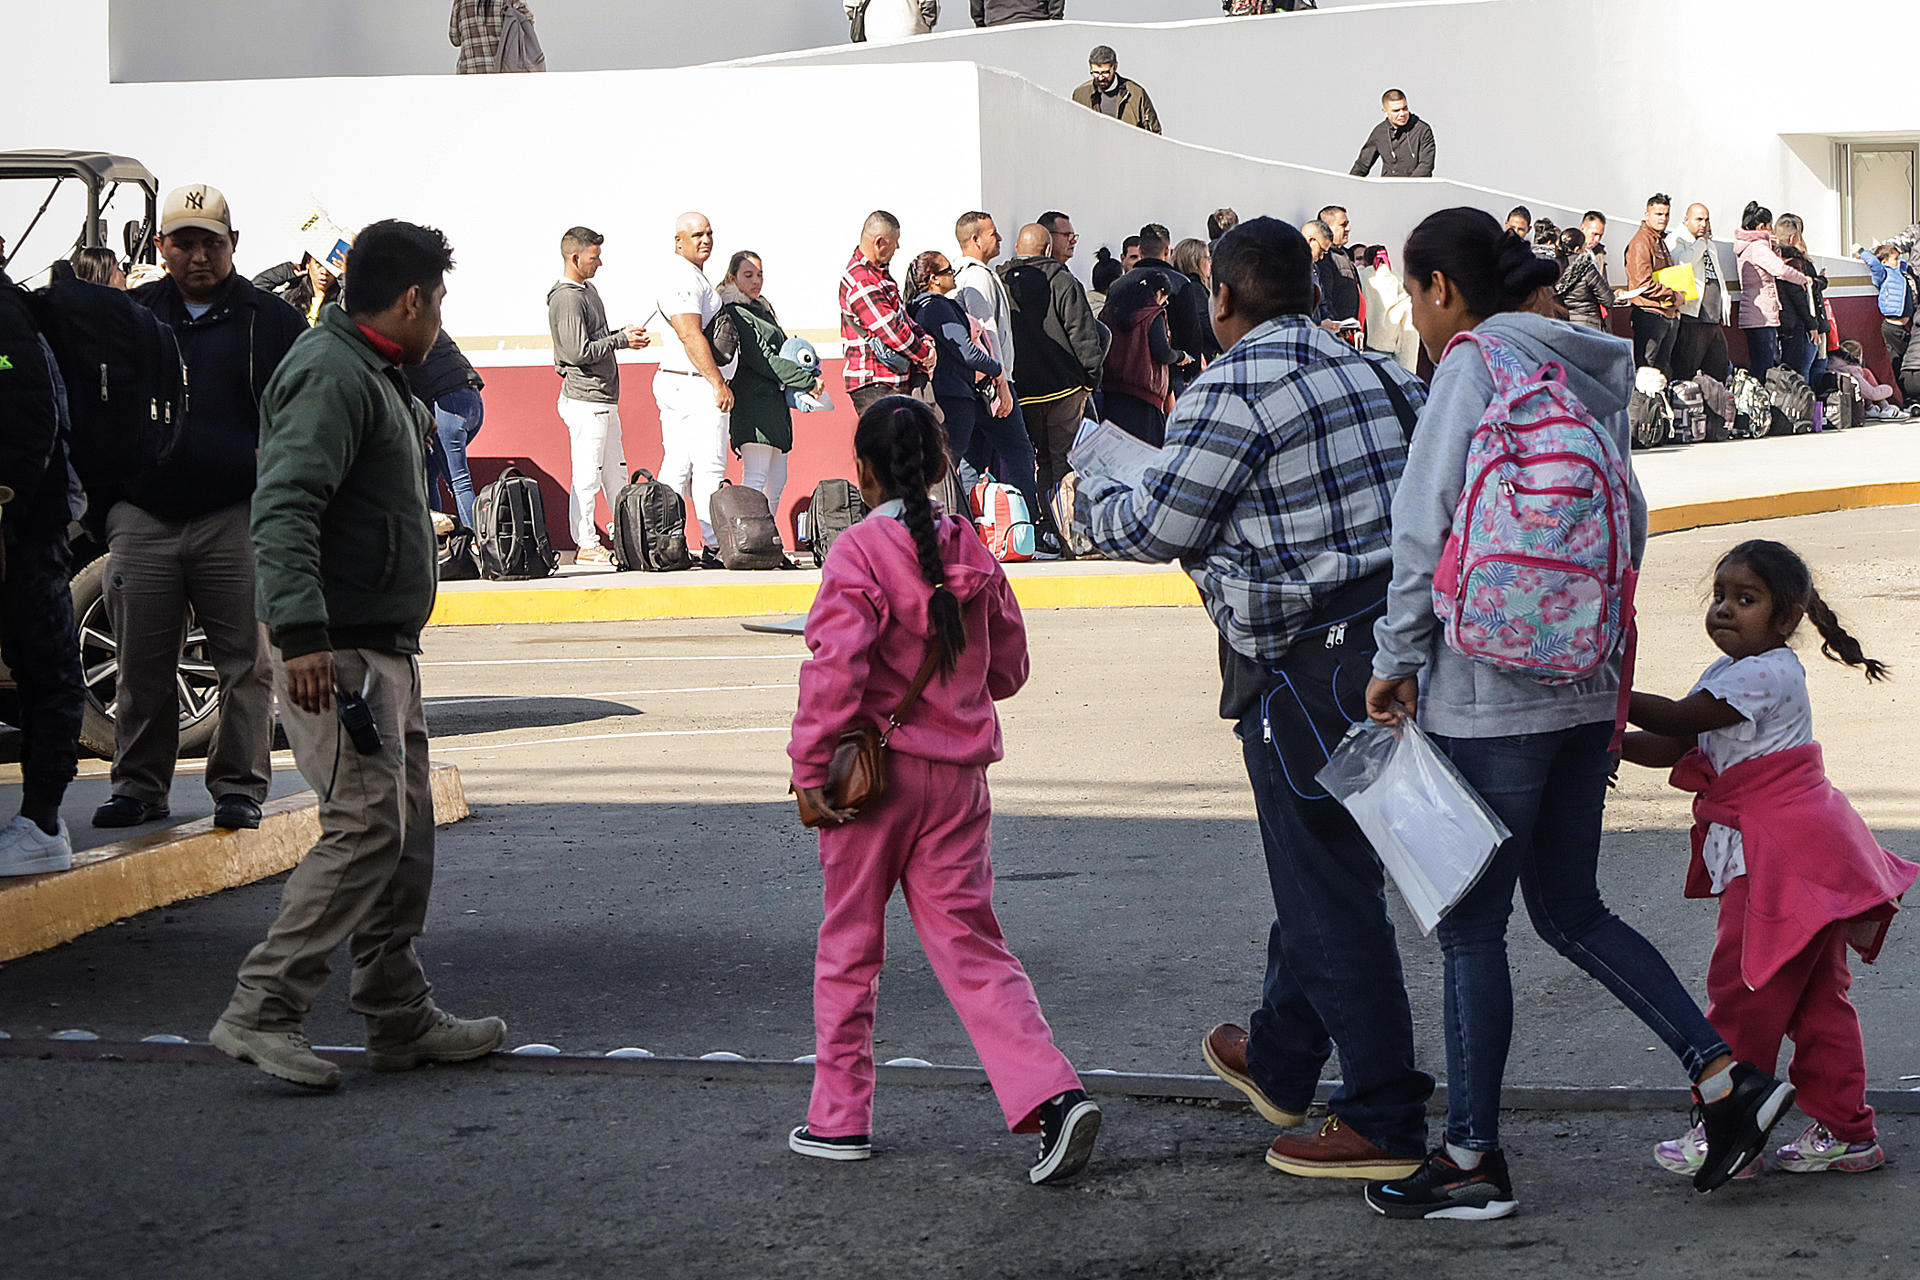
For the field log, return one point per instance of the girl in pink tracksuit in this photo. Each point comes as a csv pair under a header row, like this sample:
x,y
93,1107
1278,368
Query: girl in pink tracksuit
x,y
1798,874
907,577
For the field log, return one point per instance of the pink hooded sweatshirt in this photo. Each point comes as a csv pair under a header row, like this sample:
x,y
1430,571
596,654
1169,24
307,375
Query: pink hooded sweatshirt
x,y
1761,270
868,633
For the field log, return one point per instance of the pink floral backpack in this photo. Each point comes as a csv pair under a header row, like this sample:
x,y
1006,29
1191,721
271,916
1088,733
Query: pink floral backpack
x,y
1537,575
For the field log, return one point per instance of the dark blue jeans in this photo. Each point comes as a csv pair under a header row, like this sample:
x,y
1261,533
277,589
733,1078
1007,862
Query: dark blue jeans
x,y
1333,969
1550,789
457,416
1763,350
1797,353
982,442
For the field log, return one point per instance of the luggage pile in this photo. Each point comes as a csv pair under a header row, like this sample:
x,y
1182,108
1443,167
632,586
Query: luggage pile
x,y
1702,409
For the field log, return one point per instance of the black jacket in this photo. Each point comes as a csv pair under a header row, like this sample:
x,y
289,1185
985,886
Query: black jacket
x,y
445,369
33,419
1339,282
1058,346
1583,292
991,13
1404,152
230,352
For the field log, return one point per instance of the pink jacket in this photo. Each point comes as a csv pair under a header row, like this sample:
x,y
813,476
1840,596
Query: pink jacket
x,y
868,633
1761,269
1811,862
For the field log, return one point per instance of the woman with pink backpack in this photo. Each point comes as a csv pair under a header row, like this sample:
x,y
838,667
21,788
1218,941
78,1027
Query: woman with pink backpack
x,y
1516,529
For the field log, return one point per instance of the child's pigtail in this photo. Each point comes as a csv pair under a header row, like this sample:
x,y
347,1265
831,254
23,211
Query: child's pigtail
x,y
1836,642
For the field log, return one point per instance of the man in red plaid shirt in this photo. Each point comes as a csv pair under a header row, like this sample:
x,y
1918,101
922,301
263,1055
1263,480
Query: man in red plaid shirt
x,y
872,313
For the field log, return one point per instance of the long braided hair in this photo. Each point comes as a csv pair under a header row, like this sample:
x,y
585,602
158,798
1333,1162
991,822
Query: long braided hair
x,y
903,445
1791,583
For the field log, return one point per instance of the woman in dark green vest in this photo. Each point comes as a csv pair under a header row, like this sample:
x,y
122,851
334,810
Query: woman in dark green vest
x,y
762,424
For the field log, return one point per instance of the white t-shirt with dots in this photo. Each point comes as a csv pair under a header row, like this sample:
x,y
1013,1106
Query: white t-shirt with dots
x,y
1770,690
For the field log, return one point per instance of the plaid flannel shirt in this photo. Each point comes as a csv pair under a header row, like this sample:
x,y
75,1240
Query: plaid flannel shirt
x,y
475,31
871,306
1275,488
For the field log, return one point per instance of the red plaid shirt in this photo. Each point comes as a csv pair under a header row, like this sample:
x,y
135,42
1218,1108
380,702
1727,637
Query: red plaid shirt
x,y
871,306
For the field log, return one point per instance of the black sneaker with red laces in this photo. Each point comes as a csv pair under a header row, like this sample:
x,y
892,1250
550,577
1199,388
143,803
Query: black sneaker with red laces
x,y
1442,1189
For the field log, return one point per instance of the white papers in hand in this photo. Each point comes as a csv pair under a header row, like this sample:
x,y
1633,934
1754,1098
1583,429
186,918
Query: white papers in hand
x,y
1105,451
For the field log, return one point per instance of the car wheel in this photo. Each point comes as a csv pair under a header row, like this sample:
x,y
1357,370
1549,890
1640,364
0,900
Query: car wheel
x,y
196,683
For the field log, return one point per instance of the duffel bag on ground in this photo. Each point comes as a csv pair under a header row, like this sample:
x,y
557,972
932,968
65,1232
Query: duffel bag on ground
x,y
510,528
744,529
1791,402
1717,401
836,507
1752,408
1006,526
1688,404
1846,403
1648,415
650,526
458,562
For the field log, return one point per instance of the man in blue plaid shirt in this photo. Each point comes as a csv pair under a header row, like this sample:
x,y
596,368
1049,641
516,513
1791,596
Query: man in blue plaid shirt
x,y
1273,492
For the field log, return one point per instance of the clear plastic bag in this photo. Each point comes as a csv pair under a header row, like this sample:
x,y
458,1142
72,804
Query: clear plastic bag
x,y
1433,832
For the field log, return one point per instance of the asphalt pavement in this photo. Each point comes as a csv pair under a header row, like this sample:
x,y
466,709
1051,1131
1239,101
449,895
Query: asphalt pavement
x,y
634,876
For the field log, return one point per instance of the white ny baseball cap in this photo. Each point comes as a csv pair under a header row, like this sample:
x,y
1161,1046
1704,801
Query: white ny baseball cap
x,y
196,206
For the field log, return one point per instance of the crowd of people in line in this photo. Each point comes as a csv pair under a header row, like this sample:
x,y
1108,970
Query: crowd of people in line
x,y
1309,488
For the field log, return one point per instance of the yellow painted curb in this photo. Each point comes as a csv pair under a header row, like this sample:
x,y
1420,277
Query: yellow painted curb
x,y
123,879
1105,591
1774,506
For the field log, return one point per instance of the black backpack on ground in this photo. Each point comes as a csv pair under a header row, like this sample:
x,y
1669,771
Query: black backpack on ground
x,y
1716,401
1846,403
650,526
511,529
1791,400
126,382
1648,417
744,529
1688,404
458,561
836,507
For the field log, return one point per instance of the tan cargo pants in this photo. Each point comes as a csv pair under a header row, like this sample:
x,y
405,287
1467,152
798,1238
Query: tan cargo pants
x,y
367,880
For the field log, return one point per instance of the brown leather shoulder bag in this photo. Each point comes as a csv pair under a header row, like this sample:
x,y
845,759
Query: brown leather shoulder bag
x,y
857,776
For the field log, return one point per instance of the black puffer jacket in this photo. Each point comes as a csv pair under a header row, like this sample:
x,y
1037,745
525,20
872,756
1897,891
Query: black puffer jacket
x,y
991,13
1803,309
1583,291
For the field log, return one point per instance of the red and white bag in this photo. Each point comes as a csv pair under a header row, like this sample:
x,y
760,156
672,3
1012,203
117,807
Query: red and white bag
x,y
1001,516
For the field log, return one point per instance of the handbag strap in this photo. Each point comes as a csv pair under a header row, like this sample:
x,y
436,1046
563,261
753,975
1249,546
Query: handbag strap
x,y
928,666
1402,407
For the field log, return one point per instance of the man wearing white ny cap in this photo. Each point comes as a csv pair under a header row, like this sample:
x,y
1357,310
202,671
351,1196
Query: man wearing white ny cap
x,y
179,537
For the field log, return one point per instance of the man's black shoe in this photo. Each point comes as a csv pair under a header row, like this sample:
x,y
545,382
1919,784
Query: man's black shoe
x,y
709,559
1442,1189
1068,1126
236,813
1737,1125
128,811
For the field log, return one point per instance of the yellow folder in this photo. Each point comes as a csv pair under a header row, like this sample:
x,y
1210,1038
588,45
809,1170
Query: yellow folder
x,y
1681,280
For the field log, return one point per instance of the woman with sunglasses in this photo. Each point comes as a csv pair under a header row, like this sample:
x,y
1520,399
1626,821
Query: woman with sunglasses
x,y
966,369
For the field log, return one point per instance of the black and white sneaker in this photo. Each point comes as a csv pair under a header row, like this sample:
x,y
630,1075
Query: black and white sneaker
x,y
1737,1125
1068,1126
1439,1188
855,1146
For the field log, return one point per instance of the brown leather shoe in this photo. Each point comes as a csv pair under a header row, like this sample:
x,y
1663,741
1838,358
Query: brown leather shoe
x,y
1225,1050
1337,1152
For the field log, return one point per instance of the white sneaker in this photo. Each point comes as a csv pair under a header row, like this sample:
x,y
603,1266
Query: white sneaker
x,y
26,850
595,555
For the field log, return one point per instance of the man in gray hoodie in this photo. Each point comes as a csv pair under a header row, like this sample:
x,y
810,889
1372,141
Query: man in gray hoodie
x,y
583,355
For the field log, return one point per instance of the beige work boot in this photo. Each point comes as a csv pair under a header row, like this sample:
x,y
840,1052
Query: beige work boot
x,y
284,1055
449,1039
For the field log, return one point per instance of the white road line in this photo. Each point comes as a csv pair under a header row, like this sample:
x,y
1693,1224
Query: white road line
x,y
617,693
603,737
656,657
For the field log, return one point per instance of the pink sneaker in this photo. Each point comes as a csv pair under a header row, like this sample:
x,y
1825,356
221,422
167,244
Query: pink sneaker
x,y
1684,1155
1818,1151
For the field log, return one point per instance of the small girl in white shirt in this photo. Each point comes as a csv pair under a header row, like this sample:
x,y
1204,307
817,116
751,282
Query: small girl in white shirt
x,y
1798,874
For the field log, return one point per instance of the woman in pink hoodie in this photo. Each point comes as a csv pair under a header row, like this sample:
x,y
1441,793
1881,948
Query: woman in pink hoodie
x,y
1798,874
1761,270
908,590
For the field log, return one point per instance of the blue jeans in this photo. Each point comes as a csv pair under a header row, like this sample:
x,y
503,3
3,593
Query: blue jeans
x,y
1333,969
982,442
1763,350
456,416
1550,789
1796,352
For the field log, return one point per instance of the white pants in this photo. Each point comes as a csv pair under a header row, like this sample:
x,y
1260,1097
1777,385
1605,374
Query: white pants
x,y
599,463
693,440
764,467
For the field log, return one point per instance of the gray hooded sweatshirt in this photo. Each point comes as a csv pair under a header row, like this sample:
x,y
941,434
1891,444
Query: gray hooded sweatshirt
x,y
583,344
1459,696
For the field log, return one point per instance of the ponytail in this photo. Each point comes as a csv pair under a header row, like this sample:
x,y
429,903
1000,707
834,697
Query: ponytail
x,y
1494,269
906,449
1791,582
1836,642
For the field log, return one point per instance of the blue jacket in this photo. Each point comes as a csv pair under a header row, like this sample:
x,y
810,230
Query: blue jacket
x,y
1892,284
961,360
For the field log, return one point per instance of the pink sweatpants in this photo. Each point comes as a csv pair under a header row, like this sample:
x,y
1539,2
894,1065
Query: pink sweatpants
x,y
1805,1001
932,836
